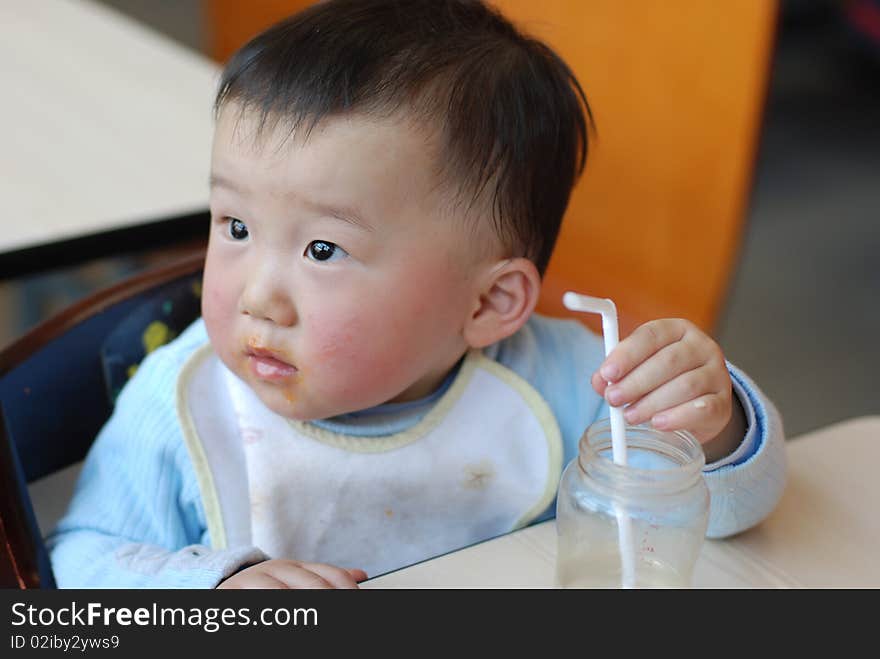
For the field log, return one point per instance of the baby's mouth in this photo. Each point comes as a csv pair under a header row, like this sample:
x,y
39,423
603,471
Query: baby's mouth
x,y
268,365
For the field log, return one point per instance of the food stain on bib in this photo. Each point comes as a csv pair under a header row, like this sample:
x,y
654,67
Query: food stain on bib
x,y
251,435
477,476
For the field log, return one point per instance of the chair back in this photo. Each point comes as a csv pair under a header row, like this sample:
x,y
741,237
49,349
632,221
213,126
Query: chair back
x,y
57,387
677,91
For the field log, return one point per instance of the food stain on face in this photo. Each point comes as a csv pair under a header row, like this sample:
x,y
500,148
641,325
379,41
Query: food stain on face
x,y
266,371
290,393
255,344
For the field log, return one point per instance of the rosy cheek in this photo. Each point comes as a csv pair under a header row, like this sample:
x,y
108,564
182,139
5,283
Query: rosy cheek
x,y
336,342
218,310
359,362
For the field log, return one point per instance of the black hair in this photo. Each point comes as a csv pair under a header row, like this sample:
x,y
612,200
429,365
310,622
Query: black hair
x,y
512,118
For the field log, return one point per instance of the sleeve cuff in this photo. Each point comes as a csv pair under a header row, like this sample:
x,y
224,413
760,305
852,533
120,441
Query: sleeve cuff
x,y
750,443
195,566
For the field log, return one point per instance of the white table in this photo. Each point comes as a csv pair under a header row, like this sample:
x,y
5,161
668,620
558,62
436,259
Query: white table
x,y
825,532
106,123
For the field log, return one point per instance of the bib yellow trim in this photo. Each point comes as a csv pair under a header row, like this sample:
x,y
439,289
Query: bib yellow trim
x,y
210,500
547,419
359,444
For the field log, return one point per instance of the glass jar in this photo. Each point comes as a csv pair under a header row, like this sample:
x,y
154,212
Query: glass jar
x,y
638,525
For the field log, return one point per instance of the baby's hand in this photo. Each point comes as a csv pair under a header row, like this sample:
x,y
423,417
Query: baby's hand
x,y
671,373
284,574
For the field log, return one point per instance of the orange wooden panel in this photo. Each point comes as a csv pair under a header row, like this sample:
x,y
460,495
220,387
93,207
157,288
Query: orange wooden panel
x,y
677,90
231,23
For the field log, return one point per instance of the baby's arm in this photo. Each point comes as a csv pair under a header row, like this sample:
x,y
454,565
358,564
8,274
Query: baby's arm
x,y
672,375
126,530
135,519
747,485
559,356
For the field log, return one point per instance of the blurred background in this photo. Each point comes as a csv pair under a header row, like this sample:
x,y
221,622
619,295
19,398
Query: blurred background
x,y
800,310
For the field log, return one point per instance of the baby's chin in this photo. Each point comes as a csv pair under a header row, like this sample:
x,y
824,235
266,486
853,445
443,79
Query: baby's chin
x,y
293,399
286,403
294,405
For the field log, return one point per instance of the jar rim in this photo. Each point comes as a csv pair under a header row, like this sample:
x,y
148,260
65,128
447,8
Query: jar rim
x,y
679,448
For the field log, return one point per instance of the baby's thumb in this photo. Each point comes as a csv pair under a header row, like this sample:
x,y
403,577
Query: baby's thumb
x,y
357,574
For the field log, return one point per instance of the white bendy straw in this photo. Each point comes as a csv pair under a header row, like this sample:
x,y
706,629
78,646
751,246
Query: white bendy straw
x,y
577,302
605,307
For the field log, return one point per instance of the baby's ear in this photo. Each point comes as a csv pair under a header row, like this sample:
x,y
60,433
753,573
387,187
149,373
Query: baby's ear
x,y
507,297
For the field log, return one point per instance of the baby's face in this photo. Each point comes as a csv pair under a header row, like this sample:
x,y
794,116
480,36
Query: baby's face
x,y
334,279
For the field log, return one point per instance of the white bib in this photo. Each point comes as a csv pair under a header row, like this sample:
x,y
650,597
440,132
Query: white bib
x,y
484,461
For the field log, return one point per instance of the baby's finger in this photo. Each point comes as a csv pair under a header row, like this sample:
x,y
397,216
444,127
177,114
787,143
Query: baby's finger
x,y
253,580
357,574
660,368
703,417
645,340
335,577
599,384
686,386
295,574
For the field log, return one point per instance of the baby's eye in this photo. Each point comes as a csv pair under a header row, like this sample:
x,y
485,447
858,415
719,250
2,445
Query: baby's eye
x,y
237,229
321,250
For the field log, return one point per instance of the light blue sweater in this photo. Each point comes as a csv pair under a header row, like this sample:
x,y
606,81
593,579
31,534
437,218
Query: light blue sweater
x,y
137,520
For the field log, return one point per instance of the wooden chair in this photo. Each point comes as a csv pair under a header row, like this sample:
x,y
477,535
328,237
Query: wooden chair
x,y
57,387
678,94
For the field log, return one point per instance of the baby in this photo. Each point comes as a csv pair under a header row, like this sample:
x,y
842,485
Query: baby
x,y
368,385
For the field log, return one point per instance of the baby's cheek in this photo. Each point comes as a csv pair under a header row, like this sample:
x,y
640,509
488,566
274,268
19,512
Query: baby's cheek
x,y
216,301
218,314
355,357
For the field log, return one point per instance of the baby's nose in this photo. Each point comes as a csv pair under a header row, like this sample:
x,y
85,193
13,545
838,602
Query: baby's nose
x,y
267,296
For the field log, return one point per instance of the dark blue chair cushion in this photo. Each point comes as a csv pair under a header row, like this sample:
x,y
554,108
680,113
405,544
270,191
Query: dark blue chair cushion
x,y
154,323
